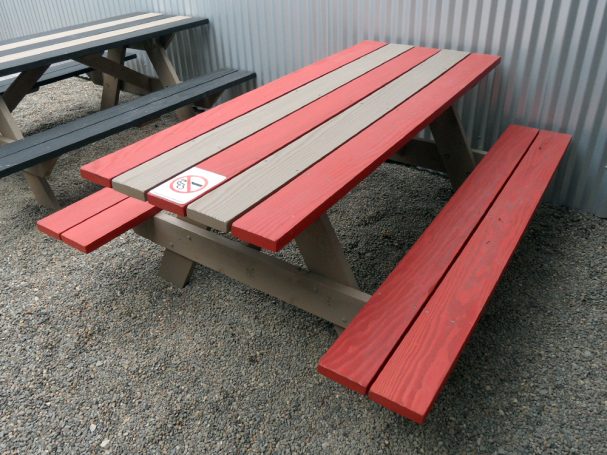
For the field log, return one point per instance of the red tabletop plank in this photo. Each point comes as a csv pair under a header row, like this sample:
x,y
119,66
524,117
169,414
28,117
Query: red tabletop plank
x,y
108,224
359,353
416,372
244,154
62,220
278,219
103,170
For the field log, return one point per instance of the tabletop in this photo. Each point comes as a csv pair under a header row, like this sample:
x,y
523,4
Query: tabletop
x,y
93,37
268,163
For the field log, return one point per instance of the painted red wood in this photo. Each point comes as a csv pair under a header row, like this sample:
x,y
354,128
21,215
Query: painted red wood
x,y
246,153
103,170
79,211
108,224
359,353
282,216
416,372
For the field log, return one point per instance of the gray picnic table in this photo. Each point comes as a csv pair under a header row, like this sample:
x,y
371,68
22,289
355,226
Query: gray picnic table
x,y
98,47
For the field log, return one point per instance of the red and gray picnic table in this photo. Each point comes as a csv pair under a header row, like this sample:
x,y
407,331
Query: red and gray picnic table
x,y
99,49
267,165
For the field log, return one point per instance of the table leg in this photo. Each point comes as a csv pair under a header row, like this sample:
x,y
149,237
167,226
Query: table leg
x,y
318,294
207,103
21,86
111,84
166,73
36,176
323,254
452,146
175,268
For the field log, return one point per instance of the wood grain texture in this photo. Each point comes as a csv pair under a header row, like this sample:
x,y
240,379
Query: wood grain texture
x,y
62,220
244,154
280,218
416,372
359,353
85,28
221,206
150,174
103,170
108,224
34,58
90,39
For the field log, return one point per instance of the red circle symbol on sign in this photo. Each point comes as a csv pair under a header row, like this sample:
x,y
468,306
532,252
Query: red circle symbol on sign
x,y
188,184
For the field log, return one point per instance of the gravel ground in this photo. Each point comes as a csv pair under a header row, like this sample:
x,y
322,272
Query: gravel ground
x,y
98,354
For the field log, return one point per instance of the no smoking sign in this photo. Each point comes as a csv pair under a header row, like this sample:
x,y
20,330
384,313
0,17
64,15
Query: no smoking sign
x,y
188,185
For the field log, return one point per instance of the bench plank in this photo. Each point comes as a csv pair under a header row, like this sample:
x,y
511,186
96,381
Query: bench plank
x,y
103,170
246,153
57,223
357,356
281,217
143,178
108,224
416,372
218,208
56,141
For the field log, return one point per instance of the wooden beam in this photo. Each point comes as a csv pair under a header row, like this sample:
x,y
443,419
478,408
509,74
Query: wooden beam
x,y
115,69
452,146
424,153
175,268
8,126
323,254
166,73
22,85
111,83
37,179
307,290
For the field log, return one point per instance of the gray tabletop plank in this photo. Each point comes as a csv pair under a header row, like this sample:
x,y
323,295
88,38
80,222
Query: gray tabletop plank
x,y
221,206
97,43
139,180
69,27
56,37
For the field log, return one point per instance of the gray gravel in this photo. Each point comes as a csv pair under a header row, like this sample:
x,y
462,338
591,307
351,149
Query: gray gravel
x,y
97,354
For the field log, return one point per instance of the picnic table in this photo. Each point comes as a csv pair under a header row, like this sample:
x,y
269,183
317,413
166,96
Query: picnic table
x,y
266,166
98,48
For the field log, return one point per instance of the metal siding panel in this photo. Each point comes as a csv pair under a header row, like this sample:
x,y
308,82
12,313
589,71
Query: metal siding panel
x,y
553,74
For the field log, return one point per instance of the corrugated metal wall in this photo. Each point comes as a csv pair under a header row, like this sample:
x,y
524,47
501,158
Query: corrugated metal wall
x,y
553,74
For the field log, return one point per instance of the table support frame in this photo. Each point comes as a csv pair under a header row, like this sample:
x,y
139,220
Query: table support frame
x,y
320,291
449,153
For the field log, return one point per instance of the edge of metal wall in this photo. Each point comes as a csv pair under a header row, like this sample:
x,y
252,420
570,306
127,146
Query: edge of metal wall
x,y
553,74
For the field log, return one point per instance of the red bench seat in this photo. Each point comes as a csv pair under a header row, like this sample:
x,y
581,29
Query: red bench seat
x,y
95,220
402,345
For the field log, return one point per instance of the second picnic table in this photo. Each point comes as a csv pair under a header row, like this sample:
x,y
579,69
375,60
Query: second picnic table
x,y
99,49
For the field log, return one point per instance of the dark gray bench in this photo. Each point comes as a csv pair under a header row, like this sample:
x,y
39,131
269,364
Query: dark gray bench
x,y
55,73
50,144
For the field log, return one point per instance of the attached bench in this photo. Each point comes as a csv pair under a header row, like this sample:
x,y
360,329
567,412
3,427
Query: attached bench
x,y
55,73
96,219
401,347
39,148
